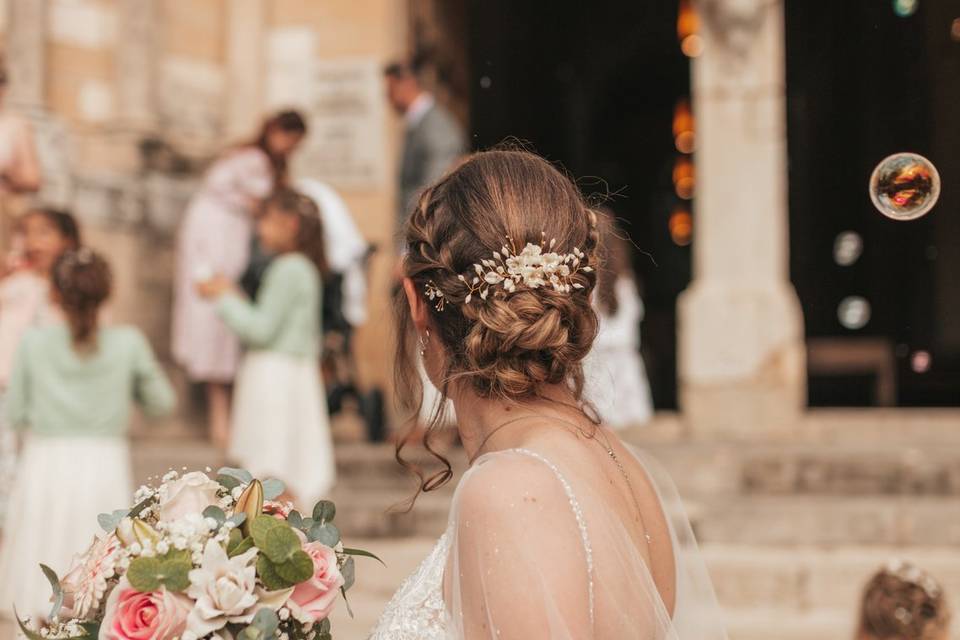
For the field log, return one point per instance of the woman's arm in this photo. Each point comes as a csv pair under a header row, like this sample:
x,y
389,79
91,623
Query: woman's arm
x,y
17,399
152,388
258,323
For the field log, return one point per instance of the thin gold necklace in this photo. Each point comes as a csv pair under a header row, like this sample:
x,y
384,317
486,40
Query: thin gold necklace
x,y
605,444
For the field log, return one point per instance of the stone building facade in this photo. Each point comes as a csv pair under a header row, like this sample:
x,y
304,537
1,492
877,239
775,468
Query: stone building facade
x,y
131,99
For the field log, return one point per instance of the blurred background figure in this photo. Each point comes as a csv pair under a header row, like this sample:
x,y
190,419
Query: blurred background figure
x,y
279,424
615,376
71,391
215,239
43,235
19,166
903,602
432,141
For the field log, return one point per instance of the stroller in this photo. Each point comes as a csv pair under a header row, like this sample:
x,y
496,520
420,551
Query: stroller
x,y
343,306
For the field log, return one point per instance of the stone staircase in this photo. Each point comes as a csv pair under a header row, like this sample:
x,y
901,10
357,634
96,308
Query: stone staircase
x,y
790,530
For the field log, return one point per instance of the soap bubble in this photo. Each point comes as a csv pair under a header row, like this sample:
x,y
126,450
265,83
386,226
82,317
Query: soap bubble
x,y
847,248
904,186
854,312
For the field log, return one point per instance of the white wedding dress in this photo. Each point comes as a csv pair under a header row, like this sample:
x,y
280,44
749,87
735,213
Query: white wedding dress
x,y
531,552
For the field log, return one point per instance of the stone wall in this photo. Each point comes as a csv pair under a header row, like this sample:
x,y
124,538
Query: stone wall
x,y
131,99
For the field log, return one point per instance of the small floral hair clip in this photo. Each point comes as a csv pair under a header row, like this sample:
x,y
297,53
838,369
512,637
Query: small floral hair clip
x,y
434,295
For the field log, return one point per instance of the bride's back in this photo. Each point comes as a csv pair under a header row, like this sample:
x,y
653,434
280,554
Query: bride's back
x,y
557,529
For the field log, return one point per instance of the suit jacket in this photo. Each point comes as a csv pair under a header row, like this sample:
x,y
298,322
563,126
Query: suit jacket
x,y
430,148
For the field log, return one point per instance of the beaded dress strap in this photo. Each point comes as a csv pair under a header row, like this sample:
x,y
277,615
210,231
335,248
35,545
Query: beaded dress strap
x,y
577,512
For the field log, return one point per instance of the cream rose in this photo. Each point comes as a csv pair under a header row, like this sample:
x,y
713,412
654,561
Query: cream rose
x,y
225,590
313,600
132,615
192,493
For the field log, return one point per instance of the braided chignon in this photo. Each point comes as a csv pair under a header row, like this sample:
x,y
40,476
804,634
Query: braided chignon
x,y
509,344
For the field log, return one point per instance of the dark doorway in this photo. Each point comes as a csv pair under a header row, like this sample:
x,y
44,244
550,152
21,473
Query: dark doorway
x,y
864,82
593,87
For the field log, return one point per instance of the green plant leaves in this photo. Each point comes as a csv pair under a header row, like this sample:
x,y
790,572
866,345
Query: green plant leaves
x,y
110,521
215,512
263,626
171,571
54,581
327,534
282,562
273,488
361,552
324,511
349,573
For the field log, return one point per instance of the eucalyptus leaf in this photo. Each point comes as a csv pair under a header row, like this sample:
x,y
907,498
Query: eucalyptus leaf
x,y
264,625
295,519
327,534
54,581
143,574
349,573
324,626
297,569
306,524
279,544
215,512
171,571
273,488
267,571
244,476
240,548
261,525
324,511
228,482
361,552
110,521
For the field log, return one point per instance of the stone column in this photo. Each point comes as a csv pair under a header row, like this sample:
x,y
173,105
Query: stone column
x,y
136,63
26,53
245,62
741,344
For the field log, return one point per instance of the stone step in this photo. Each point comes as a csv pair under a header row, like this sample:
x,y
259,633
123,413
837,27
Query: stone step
x,y
828,521
801,579
766,624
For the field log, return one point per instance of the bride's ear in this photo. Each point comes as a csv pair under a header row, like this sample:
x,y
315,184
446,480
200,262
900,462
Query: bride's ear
x,y
418,306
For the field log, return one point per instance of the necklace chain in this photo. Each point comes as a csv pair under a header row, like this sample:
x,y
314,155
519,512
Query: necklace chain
x,y
605,444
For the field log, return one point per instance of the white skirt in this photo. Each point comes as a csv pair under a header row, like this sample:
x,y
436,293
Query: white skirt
x,y
61,486
280,426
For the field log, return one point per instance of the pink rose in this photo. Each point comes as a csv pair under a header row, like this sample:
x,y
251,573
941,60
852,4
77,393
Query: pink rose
x,y
86,582
313,600
279,510
189,494
132,615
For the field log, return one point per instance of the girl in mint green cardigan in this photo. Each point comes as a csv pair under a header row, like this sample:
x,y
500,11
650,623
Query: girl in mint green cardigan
x,y
70,394
279,422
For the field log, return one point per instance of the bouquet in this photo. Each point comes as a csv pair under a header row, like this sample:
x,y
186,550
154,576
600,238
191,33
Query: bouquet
x,y
204,558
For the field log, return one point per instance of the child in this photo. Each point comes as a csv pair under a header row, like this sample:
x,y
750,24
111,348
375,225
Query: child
x,y
43,235
70,391
616,379
279,418
902,602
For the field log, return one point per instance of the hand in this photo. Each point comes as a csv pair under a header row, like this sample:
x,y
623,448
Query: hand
x,y
215,287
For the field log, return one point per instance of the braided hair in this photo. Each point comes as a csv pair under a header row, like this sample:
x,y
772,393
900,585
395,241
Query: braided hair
x,y
82,281
903,602
505,342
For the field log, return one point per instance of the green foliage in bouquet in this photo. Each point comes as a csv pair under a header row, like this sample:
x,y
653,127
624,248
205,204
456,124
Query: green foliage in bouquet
x,y
170,570
282,562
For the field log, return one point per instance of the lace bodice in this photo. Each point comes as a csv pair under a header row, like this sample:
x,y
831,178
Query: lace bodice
x,y
417,610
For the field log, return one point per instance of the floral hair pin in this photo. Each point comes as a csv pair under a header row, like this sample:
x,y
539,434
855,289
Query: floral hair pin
x,y
532,268
434,295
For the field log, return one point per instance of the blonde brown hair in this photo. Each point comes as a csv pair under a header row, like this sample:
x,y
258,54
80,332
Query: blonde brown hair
x,y
509,345
310,239
83,281
902,602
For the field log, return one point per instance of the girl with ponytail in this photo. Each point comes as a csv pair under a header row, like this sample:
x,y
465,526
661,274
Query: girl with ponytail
x,y
70,394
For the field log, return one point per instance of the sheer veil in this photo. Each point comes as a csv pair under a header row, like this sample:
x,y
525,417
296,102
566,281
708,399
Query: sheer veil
x,y
538,549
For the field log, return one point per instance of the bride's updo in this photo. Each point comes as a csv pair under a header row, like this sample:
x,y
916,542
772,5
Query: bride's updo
x,y
476,245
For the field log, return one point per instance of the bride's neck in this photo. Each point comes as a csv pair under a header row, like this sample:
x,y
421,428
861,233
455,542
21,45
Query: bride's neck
x,y
479,420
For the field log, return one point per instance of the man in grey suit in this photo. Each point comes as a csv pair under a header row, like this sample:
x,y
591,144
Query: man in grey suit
x,y
433,140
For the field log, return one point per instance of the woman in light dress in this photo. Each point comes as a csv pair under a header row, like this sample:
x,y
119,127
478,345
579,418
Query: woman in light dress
x,y
616,378
215,240
557,529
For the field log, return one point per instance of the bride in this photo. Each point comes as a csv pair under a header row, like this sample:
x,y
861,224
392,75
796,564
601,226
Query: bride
x,y
558,529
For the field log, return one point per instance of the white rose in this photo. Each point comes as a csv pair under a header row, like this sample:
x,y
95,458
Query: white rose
x,y
190,494
224,590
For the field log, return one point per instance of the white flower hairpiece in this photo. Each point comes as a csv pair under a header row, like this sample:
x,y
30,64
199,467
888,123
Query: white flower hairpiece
x,y
913,575
532,268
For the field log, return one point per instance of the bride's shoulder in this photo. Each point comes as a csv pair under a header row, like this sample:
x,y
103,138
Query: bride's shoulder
x,y
512,484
